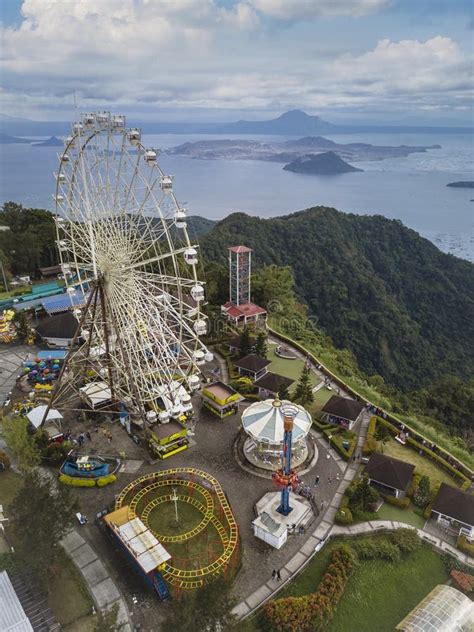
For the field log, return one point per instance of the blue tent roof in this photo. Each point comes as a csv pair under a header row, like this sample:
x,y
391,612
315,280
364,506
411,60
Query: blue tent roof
x,y
56,304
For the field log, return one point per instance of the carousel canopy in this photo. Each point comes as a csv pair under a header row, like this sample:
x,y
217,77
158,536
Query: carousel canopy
x,y
264,421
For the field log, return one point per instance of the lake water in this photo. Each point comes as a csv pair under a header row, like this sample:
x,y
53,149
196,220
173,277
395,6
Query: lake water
x,y
411,189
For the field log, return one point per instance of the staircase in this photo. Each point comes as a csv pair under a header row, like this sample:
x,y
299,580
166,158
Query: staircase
x,y
161,587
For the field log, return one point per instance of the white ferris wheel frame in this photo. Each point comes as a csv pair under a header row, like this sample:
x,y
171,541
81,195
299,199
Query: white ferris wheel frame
x,y
117,222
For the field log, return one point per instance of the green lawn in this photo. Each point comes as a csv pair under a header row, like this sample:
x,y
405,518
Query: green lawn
x,y
390,512
378,594
320,398
68,597
288,368
422,463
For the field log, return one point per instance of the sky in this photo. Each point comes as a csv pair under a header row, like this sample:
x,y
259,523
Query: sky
x,y
361,61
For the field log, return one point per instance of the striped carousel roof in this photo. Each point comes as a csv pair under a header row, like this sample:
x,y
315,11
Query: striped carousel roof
x,y
264,421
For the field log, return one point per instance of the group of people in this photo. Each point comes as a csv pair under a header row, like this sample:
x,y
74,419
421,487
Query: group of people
x,y
80,438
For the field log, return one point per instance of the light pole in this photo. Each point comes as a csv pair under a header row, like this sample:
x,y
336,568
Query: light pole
x,y
175,499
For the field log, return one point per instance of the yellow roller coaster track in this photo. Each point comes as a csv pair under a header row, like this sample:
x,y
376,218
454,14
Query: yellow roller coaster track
x,y
229,534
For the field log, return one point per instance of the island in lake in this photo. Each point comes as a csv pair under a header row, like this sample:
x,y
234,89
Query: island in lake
x,y
466,184
54,141
288,151
325,164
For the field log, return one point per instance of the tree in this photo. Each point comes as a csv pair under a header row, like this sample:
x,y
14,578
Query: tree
x,y
21,325
261,345
382,435
22,445
208,609
245,343
304,390
361,495
106,622
283,392
41,513
422,495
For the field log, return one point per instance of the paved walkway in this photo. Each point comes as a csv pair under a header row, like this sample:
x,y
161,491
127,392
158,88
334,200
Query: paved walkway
x,y
319,535
102,588
11,357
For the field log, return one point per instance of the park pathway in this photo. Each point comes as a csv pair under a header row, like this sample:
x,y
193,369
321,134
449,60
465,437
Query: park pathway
x,y
101,586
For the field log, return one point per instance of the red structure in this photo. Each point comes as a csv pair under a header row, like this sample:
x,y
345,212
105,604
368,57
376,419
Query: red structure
x,y
238,308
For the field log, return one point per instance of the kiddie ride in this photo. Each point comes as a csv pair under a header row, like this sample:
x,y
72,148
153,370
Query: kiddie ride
x,y
40,374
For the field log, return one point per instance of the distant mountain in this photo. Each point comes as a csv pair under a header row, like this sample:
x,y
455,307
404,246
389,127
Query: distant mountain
x,y
53,141
6,139
199,226
404,308
292,123
326,164
467,184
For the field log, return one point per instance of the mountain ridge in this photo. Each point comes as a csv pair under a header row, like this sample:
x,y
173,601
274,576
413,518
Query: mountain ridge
x,y
404,308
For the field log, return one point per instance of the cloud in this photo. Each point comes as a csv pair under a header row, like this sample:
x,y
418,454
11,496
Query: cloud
x,y
301,9
186,54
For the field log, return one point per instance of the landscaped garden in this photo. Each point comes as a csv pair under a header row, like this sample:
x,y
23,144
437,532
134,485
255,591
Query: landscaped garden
x,y
289,368
372,584
422,464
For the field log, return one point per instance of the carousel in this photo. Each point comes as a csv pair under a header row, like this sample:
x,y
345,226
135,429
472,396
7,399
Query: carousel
x,y
263,424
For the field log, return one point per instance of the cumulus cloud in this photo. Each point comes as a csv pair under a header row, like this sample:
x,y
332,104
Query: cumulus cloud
x,y
300,9
199,53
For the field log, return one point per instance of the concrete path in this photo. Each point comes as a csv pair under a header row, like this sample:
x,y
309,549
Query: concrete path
x,y
102,588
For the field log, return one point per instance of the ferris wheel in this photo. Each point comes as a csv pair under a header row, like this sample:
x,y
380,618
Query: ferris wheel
x,y
130,270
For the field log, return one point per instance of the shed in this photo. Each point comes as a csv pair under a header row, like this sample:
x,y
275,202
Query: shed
x,y
342,411
269,530
59,330
454,508
389,475
221,399
271,383
252,366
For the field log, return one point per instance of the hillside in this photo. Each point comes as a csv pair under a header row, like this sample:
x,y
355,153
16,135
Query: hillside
x,y
404,308
326,164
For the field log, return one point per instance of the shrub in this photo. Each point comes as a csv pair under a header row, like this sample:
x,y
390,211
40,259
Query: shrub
x,y
377,548
422,495
427,511
4,461
465,546
415,481
403,503
407,540
106,480
313,611
465,581
344,516
339,440
370,444
76,482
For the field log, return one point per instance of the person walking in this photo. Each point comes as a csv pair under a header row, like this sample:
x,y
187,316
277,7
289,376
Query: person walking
x,y
88,435
278,576
274,574
316,481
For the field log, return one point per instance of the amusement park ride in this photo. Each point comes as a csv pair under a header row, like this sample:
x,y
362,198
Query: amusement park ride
x,y
124,246
285,477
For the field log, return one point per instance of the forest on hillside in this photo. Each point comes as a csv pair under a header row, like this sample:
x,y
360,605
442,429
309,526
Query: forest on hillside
x,y
404,308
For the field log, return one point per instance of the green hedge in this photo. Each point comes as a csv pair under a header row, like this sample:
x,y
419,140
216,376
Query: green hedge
x,y
403,503
320,425
106,480
338,440
465,546
76,482
344,516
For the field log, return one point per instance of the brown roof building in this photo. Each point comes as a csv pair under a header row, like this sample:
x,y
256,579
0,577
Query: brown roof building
x,y
342,411
389,475
454,508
